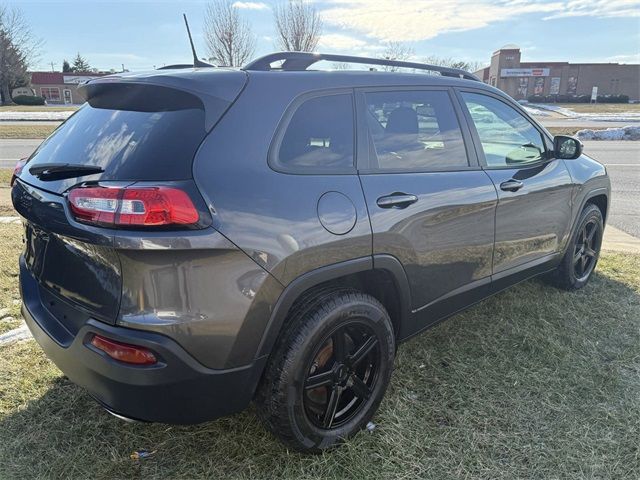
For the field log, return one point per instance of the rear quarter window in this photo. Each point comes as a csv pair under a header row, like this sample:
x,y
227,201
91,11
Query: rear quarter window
x,y
318,137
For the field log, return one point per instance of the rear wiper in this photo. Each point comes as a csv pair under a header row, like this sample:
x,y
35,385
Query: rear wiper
x,y
58,171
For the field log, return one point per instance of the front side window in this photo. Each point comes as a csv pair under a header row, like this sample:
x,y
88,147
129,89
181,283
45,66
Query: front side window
x,y
508,139
414,130
319,136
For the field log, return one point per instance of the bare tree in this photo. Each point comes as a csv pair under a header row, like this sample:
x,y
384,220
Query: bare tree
x,y
228,37
341,66
396,51
18,48
298,25
452,63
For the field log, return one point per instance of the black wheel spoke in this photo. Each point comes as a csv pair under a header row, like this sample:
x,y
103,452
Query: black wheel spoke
x,y
359,387
591,234
589,252
332,406
324,379
577,256
339,345
363,351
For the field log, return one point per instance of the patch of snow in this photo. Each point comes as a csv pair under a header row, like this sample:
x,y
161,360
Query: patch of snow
x,y
565,112
597,117
611,117
54,116
536,111
15,335
630,132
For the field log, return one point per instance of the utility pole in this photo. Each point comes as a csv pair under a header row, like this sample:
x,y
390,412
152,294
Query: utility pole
x,y
123,67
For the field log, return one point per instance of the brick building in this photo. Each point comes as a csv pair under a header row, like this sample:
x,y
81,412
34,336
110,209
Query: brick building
x,y
523,79
59,88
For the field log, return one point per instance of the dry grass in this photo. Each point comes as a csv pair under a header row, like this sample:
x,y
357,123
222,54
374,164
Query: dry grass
x,y
6,208
532,383
602,107
26,131
10,248
563,130
38,108
5,177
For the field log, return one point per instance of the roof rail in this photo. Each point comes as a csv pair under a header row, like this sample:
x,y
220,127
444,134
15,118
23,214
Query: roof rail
x,y
297,61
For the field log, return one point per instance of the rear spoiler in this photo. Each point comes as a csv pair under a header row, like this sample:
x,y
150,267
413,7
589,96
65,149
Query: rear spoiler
x,y
212,90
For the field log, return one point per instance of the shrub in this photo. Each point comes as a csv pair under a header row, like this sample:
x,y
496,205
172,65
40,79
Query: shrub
x,y
613,99
28,100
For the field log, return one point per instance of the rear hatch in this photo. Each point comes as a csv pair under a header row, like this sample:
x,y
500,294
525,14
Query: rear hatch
x,y
136,136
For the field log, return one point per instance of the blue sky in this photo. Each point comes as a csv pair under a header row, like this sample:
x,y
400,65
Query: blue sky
x,y
144,33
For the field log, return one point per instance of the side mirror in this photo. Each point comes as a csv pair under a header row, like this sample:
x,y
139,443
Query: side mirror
x,y
566,147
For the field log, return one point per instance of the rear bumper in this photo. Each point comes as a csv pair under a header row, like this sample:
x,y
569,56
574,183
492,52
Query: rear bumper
x,y
177,390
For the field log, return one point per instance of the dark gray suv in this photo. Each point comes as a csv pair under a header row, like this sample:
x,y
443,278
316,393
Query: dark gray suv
x,y
198,238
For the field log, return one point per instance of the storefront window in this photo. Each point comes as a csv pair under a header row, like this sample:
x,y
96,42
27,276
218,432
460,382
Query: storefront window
x,y
50,93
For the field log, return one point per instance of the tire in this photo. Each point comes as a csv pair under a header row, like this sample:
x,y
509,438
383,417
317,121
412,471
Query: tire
x,y
573,272
312,396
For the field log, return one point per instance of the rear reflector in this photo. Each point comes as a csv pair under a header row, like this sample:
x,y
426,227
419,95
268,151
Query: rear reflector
x,y
124,352
132,206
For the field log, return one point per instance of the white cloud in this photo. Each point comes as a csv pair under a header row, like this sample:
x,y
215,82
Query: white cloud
x,y
415,20
338,41
598,8
251,5
631,58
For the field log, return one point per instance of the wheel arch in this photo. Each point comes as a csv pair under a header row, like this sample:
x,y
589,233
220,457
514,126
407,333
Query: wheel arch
x,y
598,197
371,274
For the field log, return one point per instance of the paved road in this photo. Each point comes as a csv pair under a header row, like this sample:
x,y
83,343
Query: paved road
x,y
621,158
623,164
12,150
54,123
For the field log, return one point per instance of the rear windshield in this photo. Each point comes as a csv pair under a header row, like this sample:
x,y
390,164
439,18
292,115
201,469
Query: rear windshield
x,y
127,144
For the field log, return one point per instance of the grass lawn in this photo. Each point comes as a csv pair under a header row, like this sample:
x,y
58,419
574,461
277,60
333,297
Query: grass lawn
x,y
602,107
26,131
38,108
532,383
6,208
10,248
563,130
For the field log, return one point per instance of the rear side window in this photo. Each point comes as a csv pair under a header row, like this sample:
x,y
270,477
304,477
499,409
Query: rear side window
x,y
319,136
128,144
414,130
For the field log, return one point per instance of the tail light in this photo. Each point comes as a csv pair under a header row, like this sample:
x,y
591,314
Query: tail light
x,y
132,206
124,352
18,170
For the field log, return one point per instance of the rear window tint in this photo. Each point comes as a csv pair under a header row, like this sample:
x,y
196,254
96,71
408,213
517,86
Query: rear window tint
x,y
127,144
319,137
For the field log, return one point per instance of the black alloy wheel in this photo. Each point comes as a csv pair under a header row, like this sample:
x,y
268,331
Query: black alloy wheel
x,y
585,250
342,375
581,255
329,371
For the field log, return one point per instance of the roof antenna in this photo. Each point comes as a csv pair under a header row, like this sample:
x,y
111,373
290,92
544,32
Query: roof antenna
x,y
196,61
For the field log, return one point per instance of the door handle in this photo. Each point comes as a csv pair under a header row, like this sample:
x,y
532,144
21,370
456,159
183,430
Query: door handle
x,y
511,185
397,200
